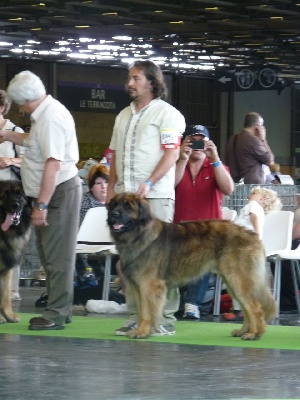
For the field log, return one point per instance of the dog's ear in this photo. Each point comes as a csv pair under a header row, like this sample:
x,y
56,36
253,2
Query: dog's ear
x,y
144,211
110,204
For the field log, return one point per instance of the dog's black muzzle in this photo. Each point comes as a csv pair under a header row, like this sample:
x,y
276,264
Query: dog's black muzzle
x,y
114,216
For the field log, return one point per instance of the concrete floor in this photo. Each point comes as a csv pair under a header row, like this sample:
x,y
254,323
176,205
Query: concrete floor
x,y
36,367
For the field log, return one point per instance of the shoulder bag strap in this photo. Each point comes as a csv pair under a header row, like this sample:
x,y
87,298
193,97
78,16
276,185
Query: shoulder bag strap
x,y
14,145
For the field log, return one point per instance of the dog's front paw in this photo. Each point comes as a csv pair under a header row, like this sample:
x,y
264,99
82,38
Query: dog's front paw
x,y
138,334
250,336
238,332
11,317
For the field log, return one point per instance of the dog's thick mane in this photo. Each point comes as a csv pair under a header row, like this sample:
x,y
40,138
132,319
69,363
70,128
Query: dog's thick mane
x,y
15,228
13,239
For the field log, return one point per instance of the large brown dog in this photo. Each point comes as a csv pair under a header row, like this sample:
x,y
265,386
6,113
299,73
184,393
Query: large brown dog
x,y
15,214
156,255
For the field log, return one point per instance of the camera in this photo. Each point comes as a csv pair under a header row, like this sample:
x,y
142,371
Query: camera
x,y
197,144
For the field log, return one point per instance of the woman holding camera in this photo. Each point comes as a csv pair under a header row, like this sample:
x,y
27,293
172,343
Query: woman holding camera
x,y
201,180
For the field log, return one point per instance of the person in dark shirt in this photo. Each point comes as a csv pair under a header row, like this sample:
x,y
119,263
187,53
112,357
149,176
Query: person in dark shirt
x,y
247,151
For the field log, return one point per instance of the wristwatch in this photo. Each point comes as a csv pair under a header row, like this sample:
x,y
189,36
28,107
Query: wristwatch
x,y
41,206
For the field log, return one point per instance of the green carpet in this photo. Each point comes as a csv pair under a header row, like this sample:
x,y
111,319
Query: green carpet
x,y
195,333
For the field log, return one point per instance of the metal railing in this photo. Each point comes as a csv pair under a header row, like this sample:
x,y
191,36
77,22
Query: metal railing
x,y
289,195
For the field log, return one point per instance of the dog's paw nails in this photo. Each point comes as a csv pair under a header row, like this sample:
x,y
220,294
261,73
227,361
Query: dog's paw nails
x,y
249,336
237,333
136,334
13,318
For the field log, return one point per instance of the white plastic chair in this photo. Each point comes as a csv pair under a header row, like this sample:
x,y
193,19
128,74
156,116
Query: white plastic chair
x,y
94,238
293,256
229,215
277,239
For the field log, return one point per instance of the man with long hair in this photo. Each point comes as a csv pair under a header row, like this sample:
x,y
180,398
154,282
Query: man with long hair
x,y
145,143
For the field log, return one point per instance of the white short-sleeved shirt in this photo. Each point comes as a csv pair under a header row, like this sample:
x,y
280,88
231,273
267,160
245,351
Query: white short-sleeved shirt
x,y
138,139
7,150
243,218
52,135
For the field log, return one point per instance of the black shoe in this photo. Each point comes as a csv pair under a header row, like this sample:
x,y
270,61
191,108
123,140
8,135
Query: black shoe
x,y
43,324
42,301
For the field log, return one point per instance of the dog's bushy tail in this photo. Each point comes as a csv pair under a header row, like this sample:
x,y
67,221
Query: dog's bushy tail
x,y
268,304
263,288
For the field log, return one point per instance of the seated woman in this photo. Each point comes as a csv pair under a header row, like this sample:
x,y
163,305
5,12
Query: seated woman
x,y
97,183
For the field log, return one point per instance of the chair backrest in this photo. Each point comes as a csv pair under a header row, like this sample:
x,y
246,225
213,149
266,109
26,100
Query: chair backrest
x,y
93,228
228,214
277,232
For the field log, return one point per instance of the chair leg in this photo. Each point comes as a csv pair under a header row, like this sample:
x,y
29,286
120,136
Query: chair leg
x,y
107,274
297,268
218,291
294,267
277,283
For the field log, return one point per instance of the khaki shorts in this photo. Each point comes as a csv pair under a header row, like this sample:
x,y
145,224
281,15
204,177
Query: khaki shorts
x,y
162,209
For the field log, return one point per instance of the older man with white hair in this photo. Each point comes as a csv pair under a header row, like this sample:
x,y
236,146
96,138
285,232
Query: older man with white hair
x,y
50,178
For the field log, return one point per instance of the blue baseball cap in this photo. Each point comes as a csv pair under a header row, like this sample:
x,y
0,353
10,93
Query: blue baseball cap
x,y
192,130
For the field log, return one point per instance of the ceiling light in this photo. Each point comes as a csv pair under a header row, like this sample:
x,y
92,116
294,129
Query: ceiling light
x,y
103,47
62,49
5,44
127,38
81,26
16,50
176,22
86,40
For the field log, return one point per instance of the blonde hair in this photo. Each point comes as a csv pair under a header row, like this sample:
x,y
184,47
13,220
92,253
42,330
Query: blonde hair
x,y
271,201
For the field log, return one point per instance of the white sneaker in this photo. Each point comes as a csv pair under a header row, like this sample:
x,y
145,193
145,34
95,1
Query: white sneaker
x,y
191,311
15,296
163,330
126,327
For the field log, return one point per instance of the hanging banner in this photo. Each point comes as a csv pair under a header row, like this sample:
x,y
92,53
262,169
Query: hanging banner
x,y
89,97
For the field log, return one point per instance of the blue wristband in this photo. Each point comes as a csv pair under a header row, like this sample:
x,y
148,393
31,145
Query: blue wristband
x,y
216,164
149,183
